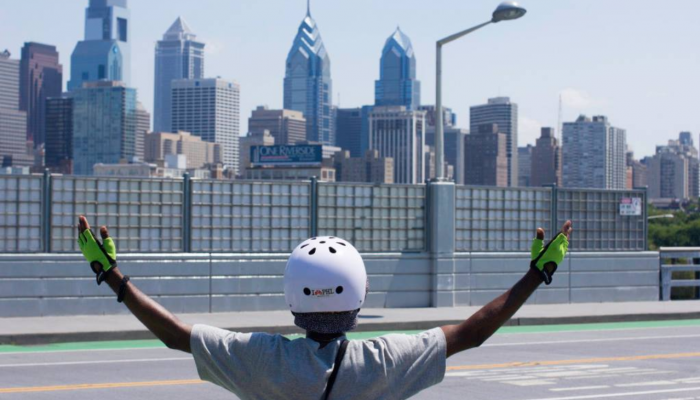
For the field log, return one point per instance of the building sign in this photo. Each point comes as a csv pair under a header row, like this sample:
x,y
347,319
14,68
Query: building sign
x,y
302,155
631,206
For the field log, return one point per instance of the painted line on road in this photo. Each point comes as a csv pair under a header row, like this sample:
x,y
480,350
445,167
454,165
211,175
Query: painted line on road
x,y
139,360
579,361
33,389
572,389
608,395
592,340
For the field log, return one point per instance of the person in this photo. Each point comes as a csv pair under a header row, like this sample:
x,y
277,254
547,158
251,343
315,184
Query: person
x,y
325,285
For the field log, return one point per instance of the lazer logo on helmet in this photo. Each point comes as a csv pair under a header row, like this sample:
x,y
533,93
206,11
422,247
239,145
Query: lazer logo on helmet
x,y
322,292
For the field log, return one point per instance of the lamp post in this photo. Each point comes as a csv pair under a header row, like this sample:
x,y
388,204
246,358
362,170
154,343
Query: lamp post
x,y
506,11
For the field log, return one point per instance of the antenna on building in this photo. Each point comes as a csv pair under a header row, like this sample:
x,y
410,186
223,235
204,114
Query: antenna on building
x,y
308,8
559,123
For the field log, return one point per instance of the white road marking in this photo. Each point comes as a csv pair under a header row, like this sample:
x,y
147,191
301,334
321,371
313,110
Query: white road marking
x,y
140,360
627,394
618,339
652,383
571,389
531,382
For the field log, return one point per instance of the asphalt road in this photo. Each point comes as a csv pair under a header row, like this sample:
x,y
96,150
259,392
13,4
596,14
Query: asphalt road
x,y
625,361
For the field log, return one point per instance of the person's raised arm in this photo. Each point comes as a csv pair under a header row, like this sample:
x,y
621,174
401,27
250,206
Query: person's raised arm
x,y
480,326
167,327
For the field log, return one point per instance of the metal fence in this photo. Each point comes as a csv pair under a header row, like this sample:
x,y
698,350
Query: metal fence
x,y
500,219
38,214
374,217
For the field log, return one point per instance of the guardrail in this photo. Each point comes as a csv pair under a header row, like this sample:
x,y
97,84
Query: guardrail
x,y
668,254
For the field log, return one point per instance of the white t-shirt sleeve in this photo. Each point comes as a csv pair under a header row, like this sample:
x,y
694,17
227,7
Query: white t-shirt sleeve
x,y
224,358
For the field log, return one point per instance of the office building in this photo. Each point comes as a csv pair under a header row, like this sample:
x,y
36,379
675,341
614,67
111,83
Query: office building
x,y
197,152
143,127
525,166
593,154
449,118
399,133
453,145
41,77
13,122
504,113
178,56
286,126
210,109
59,135
308,84
397,84
370,169
674,171
546,160
486,161
257,138
105,53
104,125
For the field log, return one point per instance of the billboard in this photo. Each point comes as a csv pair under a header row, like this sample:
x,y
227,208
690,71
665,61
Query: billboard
x,y
300,155
631,206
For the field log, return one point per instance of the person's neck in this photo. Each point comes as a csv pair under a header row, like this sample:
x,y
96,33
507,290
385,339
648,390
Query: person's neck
x,y
323,338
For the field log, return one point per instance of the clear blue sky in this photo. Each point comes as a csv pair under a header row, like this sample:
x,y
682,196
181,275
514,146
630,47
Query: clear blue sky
x,y
636,61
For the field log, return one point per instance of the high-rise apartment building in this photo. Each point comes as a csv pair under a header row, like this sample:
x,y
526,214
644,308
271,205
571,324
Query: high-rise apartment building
x,y
178,56
197,152
105,53
308,84
504,113
486,161
59,135
143,127
210,109
104,125
370,169
286,126
593,154
674,171
41,77
399,133
525,165
546,160
13,122
397,84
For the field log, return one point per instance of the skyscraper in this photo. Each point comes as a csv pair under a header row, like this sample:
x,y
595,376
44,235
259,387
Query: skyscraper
x,y
210,109
673,172
105,54
399,133
41,76
502,112
286,126
307,82
454,148
178,56
104,125
59,135
13,122
143,126
525,172
546,160
593,154
485,162
397,84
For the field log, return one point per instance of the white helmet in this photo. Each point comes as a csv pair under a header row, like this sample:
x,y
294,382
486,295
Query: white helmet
x,y
325,274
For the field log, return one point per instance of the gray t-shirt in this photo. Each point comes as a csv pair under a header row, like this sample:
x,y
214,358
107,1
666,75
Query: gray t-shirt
x,y
269,367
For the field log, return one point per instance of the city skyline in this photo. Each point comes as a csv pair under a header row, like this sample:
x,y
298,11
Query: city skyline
x,y
548,64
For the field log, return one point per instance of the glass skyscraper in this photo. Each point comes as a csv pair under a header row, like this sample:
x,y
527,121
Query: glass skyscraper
x,y
178,56
397,84
504,113
104,125
105,54
307,82
41,77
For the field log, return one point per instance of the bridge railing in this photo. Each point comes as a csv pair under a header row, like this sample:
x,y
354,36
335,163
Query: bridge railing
x,y
669,257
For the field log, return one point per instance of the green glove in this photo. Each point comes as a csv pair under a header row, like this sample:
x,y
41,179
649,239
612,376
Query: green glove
x,y
553,252
94,251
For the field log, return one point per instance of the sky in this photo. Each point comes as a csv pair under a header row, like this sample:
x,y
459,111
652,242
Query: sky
x,y
636,61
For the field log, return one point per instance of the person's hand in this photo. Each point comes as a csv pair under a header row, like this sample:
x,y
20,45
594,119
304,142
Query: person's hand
x,y
546,259
101,256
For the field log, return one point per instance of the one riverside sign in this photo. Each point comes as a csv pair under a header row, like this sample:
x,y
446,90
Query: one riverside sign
x,y
301,155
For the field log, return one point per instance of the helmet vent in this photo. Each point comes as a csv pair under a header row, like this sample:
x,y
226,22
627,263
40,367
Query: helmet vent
x,y
323,241
331,237
304,245
332,250
339,290
341,243
312,251
307,291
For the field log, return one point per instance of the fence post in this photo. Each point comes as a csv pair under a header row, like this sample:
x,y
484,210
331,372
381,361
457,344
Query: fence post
x,y
46,211
187,213
554,223
313,207
441,241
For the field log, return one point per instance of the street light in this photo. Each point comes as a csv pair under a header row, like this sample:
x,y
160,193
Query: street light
x,y
506,11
